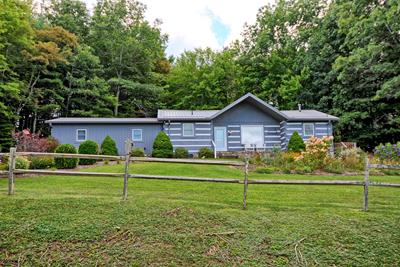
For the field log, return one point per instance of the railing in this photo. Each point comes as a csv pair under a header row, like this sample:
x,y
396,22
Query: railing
x,y
127,159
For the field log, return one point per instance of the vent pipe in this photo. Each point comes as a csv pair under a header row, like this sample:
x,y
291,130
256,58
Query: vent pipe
x,y
299,105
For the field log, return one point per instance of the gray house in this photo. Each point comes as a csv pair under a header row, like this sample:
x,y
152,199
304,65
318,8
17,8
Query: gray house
x,y
247,123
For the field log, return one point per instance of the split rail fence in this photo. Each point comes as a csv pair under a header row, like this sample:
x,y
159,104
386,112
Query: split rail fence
x,y
127,159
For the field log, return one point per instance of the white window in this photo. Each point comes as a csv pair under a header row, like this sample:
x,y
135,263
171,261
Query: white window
x,y
252,135
188,129
136,134
308,129
81,135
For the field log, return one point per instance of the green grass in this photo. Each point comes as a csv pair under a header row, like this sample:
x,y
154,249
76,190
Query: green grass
x,y
58,221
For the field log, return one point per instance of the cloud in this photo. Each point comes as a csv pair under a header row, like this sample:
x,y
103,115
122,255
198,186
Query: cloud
x,y
201,23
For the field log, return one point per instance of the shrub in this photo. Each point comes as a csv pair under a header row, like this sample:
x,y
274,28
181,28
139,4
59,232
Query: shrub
x,y
21,163
181,153
41,163
108,147
137,152
333,165
352,159
205,153
296,143
316,152
265,170
88,147
162,146
26,141
66,163
388,153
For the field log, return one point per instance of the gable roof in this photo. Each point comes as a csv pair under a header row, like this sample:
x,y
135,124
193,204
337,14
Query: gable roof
x,y
308,115
256,101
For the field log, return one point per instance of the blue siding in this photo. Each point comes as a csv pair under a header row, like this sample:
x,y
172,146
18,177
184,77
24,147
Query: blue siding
x,y
321,129
202,135
246,114
66,134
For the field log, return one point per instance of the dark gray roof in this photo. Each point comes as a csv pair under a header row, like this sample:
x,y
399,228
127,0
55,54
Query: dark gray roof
x,y
103,120
170,114
308,115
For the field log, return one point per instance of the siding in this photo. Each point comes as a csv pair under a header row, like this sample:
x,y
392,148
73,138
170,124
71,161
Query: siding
x,y
202,135
321,129
66,134
246,114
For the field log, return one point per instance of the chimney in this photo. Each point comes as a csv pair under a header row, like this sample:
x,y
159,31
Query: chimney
x,y
299,105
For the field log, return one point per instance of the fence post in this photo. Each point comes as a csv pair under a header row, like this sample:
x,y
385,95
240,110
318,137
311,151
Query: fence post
x,y
128,147
246,180
11,167
366,183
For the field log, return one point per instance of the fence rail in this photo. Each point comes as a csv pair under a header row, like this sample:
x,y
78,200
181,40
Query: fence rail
x,y
246,182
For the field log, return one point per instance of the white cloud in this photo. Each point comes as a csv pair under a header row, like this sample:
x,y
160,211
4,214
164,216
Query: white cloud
x,y
189,22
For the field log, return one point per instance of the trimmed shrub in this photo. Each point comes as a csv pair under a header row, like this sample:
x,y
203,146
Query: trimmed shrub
x,y
41,163
65,163
181,153
137,152
296,143
162,146
265,170
206,153
88,147
21,163
108,147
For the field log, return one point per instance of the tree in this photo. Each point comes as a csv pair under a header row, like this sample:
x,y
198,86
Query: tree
x,y
71,15
162,146
132,46
15,37
296,143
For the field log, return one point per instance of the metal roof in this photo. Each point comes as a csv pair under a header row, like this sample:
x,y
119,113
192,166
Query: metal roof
x,y
103,120
308,115
170,114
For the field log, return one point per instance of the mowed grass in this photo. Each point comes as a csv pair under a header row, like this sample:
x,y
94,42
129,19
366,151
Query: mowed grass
x,y
59,221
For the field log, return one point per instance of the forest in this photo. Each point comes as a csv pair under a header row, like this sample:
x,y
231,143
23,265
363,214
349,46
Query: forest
x,y
63,60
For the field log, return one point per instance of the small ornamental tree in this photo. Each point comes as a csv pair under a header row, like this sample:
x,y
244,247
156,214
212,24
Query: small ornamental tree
x,y
108,147
66,163
162,146
88,147
296,143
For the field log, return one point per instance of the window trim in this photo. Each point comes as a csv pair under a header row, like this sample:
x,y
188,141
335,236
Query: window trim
x,y
304,129
76,135
141,135
183,129
252,125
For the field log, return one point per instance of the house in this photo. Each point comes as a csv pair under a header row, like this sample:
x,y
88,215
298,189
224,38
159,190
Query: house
x,y
247,123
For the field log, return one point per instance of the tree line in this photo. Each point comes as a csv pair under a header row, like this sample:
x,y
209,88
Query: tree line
x,y
340,57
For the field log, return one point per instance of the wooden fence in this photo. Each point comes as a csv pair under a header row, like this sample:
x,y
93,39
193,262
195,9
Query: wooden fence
x,y
127,159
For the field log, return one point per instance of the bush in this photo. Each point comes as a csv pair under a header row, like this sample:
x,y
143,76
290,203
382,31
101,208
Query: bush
x,y
266,170
66,163
108,147
333,165
21,163
388,153
41,163
181,153
316,152
206,153
88,147
162,146
26,141
353,159
137,152
296,143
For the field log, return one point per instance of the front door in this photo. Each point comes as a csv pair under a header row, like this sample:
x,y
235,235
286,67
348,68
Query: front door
x,y
220,138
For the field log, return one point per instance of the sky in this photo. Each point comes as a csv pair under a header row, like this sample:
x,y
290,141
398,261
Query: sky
x,y
200,23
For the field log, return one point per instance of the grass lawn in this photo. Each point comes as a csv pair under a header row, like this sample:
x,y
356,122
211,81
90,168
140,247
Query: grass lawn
x,y
58,221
